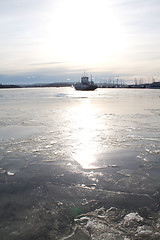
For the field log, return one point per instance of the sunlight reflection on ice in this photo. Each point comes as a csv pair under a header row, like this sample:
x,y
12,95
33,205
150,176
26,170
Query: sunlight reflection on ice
x,y
85,158
85,132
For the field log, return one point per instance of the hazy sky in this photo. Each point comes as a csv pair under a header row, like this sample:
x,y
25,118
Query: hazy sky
x,y
53,40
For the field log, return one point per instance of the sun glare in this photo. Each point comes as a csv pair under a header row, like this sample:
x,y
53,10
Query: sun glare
x,y
84,32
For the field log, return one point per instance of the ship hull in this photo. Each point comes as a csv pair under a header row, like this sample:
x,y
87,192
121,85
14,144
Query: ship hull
x,y
82,87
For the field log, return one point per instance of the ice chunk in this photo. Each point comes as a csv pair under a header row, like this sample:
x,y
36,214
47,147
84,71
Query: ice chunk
x,y
132,217
10,173
143,231
89,225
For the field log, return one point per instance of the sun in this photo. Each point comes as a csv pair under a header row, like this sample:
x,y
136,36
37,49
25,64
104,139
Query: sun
x,y
84,32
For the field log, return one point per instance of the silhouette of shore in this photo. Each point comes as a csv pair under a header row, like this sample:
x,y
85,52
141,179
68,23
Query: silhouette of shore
x,y
154,85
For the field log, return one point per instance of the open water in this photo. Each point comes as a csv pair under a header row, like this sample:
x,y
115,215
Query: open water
x,y
79,165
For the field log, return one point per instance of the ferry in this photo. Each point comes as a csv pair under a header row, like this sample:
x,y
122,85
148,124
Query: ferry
x,y
85,84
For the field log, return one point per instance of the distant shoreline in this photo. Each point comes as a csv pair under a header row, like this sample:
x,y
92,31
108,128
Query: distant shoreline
x,y
36,85
154,85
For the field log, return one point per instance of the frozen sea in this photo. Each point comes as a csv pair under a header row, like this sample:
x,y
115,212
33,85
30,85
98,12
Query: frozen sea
x,y
79,165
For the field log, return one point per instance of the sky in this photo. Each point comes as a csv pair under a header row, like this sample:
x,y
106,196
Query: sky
x,y
56,40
